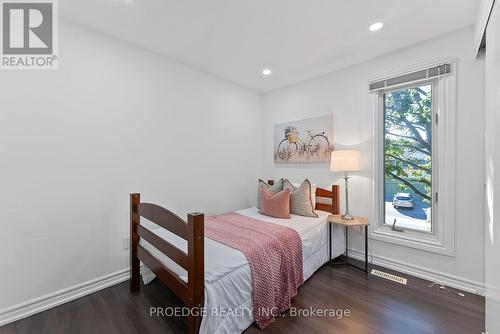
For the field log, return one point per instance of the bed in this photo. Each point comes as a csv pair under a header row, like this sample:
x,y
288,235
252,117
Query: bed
x,y
178,253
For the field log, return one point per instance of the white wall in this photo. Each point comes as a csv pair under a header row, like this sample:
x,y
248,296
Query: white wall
x,y
113,119
492,203
345,94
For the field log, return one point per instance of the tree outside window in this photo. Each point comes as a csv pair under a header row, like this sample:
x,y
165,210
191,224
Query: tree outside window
x,y
408,120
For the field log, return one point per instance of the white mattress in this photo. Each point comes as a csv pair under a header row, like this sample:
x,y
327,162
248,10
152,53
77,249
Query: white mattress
x,y
228,282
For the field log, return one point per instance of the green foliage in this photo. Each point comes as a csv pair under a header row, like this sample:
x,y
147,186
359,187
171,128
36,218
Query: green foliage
x,y
408,139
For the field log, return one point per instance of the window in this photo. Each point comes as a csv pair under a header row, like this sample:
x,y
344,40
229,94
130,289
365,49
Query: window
x,y
414,127
408,156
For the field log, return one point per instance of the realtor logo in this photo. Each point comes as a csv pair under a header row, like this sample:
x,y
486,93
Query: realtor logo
x,y
29,34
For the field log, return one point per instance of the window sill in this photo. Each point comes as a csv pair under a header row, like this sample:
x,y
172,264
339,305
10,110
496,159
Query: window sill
x,y
419,240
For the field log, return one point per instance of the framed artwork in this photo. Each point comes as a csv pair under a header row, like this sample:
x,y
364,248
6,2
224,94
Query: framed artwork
x,y
304,141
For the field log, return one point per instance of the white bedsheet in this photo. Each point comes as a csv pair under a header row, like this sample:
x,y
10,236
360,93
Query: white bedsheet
x,y
228,282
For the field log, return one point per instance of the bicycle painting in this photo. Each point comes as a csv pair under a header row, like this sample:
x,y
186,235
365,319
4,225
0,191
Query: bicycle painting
x,y
309,140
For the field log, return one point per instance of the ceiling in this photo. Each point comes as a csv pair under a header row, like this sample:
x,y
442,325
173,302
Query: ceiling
x,y
297,39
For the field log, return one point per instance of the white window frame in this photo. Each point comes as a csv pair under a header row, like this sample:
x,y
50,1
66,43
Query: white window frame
x,y
441,239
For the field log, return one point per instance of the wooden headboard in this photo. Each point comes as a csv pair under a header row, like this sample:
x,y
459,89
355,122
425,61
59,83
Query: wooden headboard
x,y
332,196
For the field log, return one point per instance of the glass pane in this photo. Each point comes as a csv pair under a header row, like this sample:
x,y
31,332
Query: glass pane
x,y
408,157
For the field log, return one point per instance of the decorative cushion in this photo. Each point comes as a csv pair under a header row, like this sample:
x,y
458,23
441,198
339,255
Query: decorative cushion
x,y
300,199
275,188
275,205
313,192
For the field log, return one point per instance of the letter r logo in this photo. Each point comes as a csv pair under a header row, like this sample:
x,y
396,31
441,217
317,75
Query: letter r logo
x,y
27,28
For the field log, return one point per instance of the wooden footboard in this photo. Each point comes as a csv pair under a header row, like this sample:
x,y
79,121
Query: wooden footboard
x,y
192,293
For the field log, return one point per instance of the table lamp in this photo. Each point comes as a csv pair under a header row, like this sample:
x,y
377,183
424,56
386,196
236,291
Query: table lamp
x,y
346,161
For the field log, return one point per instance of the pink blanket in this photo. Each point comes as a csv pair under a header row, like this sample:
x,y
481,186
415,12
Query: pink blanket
x,y
274,253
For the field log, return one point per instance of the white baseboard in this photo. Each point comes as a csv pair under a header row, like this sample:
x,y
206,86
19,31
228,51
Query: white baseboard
x,y
54,299
424,273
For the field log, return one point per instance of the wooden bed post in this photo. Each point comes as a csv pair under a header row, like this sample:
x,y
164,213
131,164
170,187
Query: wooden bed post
x,y
135,199
196,276
336,199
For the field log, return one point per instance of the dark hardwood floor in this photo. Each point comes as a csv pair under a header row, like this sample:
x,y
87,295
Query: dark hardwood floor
x,y
375,305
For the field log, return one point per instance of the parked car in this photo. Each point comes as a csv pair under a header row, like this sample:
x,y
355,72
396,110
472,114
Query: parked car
x,y
403,200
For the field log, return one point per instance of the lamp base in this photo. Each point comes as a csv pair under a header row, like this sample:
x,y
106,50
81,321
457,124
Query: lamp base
x,y
347,217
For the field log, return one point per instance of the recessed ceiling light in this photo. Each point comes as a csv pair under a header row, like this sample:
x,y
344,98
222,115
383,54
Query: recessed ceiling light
x,y
376,26
125,2
266,72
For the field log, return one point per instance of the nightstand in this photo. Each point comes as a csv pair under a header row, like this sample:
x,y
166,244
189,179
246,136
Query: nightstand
x,y
356,222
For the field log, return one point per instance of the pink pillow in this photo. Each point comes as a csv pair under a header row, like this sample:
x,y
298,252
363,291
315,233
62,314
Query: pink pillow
x,y
275,205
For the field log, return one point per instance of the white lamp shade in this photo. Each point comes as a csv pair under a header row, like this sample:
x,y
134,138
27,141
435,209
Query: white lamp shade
x,y
346,161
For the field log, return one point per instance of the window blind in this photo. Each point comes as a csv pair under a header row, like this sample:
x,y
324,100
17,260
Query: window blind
x,y
415,76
